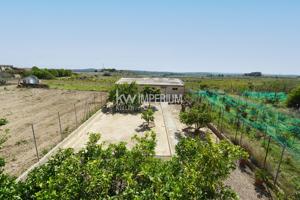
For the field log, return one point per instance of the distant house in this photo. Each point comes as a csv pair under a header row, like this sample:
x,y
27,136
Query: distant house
x,y
30,80
4,68
167,86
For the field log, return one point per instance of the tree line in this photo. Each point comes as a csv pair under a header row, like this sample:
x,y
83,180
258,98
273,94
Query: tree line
x,y
48,73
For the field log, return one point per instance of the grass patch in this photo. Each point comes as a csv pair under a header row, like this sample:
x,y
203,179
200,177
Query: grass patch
x,y
103,84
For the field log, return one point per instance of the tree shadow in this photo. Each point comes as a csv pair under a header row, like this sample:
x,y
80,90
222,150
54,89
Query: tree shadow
x,y
144,127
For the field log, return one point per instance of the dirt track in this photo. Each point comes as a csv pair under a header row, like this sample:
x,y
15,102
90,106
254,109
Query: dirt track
x,y
22,107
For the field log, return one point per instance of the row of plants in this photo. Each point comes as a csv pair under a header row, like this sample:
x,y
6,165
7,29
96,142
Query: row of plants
x,y
255,141
237,85
116,172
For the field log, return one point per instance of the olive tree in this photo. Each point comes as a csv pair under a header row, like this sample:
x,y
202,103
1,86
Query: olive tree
x,y
197,116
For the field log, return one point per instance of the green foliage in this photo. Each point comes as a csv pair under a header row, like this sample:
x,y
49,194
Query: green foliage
x,y
198,115
76,82
239,84
293,99
48,73
125,95
115,172
3,121
148,115
9,189
150,90
261,175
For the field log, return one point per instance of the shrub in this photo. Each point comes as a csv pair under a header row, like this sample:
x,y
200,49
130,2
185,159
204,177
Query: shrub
x,y
198,116
147,115
3,121
125,95
115,172
293,100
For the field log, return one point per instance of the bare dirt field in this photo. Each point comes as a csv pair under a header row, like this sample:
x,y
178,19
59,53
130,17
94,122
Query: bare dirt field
x,y
23,107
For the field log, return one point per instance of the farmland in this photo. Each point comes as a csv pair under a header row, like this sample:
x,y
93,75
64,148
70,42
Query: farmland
x,y
250,93
83,83
40,107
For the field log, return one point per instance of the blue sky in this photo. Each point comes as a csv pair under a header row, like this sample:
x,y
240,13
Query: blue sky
x,y
165,35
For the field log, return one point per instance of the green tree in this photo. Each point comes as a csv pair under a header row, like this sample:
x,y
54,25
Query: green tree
x,y
125,95
198,116
148,116
150,90
197,171
293,100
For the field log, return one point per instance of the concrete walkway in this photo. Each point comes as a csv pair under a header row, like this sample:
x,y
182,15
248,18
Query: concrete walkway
x,y
170,126
115,128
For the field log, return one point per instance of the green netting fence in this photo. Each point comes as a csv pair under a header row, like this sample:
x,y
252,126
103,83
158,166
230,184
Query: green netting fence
x,y
266,96
282,127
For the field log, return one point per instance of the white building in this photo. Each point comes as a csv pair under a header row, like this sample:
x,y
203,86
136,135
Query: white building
x,y
167,86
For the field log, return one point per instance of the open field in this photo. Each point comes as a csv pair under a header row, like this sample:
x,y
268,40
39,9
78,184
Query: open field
x,y
40,107
93,83
240,84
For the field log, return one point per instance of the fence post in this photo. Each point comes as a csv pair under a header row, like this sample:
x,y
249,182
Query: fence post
x,y
267,151
237,127
278,168
75,115
60,129
84,114
222,114
36,149
95,107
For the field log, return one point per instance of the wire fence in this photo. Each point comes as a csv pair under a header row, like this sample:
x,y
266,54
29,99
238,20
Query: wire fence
x,y
272,140
63,122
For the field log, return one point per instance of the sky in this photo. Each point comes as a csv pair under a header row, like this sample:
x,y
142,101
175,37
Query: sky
x,y
233,36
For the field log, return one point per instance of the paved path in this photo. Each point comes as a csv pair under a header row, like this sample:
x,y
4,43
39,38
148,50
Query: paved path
x,y
170,125
113,128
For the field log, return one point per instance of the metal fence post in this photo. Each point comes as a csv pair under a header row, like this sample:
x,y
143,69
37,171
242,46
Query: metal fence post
x,y
60,129
34,139
280,161
267,151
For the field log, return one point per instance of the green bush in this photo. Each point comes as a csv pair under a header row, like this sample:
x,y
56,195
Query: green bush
x,y
3,121
198,116
293,100
115,172
126,95
48,73
147,115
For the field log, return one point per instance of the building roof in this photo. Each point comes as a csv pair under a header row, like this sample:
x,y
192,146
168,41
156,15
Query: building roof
x,y
31,77
152,81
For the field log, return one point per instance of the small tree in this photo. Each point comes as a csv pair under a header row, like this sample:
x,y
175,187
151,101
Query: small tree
x,y
197,116
148,116
293,100
150,92
125,95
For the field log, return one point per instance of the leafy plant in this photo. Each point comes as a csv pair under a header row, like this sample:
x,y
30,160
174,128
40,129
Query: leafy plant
x,y
148,116
198,116
115,172
260,177
125,95
293,99
3,121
